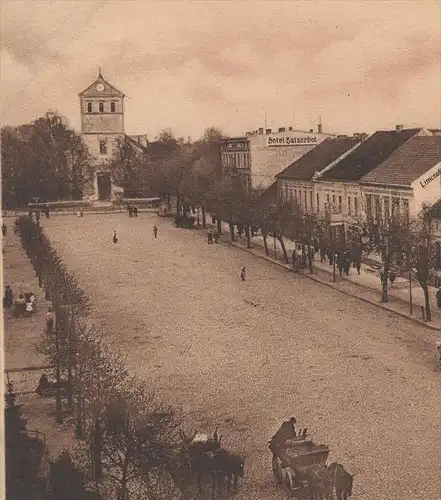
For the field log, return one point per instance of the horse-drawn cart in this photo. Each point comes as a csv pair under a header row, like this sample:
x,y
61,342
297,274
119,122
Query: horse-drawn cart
x,y
292,460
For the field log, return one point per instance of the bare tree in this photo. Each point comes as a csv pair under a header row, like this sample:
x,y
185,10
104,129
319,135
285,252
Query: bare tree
x,y
421,252
384,234
306,228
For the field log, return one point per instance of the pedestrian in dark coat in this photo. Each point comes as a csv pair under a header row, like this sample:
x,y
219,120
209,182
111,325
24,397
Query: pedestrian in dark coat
x,y
155,231
294,256
114,239
243,274
339,263
4,229
438,298
210,237
346,265
216,236
8,299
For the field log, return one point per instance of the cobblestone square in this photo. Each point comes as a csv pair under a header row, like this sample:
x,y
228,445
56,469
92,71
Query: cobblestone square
x,y
246,355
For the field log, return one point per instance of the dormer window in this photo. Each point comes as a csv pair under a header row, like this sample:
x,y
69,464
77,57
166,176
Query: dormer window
x,y
101,107
112,107
89,107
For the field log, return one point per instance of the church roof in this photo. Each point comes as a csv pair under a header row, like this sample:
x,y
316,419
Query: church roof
x,y
107,91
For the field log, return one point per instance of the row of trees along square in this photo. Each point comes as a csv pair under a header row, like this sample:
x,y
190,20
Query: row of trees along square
x,y
128,439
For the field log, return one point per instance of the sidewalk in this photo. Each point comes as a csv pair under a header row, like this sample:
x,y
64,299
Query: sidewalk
x,y
366,286
21,337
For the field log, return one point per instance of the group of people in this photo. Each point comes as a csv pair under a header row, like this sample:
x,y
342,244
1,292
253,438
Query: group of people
x,y
23,305
212,236
343,258
115,238
132,210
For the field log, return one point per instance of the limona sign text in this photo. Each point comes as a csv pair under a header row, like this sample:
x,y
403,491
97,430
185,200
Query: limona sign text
x,y
286,140
432,177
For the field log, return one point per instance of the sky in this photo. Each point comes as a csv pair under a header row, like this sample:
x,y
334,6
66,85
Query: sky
x,y
360,65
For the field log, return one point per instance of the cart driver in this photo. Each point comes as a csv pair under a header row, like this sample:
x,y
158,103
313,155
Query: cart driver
x,y
287,431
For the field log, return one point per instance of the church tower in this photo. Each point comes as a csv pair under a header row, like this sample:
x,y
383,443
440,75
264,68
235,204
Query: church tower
x,y
102,123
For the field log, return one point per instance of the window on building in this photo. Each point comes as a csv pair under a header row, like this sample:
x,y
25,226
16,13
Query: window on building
x,y
355,206
406,214
349,205
395,207
101,107
377,207
311,201
339,204
318,202
306,200
103,146
89,107
333,200
291,196
112,107
369,205
328,202
386,205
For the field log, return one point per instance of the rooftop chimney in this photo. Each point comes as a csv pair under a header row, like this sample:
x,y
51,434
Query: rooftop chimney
x,y
311,130
398,127
320,128
282,129
290,129
267,131
260,131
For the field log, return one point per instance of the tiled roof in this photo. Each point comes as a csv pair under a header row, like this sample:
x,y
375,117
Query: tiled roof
x,y
269,196
318,158
407,163
134,143
435,210
373,151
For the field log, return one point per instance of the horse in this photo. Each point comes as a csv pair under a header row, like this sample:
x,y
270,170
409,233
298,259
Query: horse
x,y
342,481
228,465
320,482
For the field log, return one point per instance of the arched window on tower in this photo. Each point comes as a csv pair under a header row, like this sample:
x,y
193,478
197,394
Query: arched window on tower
x,y
101,107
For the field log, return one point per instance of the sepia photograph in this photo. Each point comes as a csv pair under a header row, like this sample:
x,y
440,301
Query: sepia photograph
x,y
221,249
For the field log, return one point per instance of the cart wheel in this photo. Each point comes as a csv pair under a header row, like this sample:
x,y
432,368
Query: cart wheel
x,y
288,479
277,469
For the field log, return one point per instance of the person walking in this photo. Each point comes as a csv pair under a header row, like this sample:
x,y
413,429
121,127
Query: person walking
x,y
114,239
155,231
4,229
8,299
243,274
216,236
210,237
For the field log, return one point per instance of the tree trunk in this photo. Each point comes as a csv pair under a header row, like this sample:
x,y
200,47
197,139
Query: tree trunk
x,y
285,254
265,243
427,301
204,217
384,294
219,226
248,235
233,236
311,270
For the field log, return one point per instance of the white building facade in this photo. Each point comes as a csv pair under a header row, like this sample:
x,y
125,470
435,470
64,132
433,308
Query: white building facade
x,y
261,155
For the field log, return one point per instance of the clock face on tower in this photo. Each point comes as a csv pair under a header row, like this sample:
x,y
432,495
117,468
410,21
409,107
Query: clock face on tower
x,y
100,87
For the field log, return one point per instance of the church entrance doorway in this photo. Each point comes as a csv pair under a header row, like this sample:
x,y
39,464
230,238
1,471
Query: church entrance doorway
x,y
104,185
